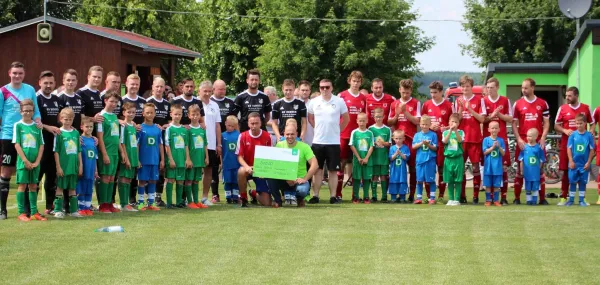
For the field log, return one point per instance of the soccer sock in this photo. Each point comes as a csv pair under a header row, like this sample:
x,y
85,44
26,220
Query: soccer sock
x,y
72,204
488,196
141,191
58,203
581,191
81,199
88,201
123,194
427,190
4,190
33,195
476,184
355,189
169,193
101,193
518,187
338,189
151,193
419,191
109,192
412,185
179,193
235,192
598,179
374,188
366,188
432,187
195,191
442,184
393,197
504,187
21,202
496,195
188,192
542,192
572,191
227,188
214,187
463,187
451,191
528,195
384,189
564,185
534,196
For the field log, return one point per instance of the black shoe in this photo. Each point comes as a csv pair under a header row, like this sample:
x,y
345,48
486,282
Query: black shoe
x,y
398,201
133,204
374,200
384,200
517,202
170,206
229,201
333,200
463,200
339,199
411,200
544,202
475,201
504,202
314,200
244,204
160,203
181,206
254,202
3,215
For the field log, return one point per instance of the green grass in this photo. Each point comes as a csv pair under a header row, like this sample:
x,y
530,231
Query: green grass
x,y
320,244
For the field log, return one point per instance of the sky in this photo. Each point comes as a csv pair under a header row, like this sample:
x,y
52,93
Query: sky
x,y
445,55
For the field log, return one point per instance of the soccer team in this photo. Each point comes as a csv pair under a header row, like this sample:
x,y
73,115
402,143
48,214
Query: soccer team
x,y
87,137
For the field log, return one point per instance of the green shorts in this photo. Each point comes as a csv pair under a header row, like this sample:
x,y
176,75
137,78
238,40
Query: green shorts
x,y
177,173
193,174
362,172
67,182
26,176
454,169
127,173
381,170
108,169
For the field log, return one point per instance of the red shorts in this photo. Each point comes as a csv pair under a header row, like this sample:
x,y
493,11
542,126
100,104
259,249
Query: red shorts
x,y
472,151
597,156
412,160
345,151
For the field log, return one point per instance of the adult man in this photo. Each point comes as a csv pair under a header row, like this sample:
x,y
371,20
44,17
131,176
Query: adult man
x,y
11,96
565,125
187,99
90,95
246,145
113,83
499,109
161,105
49,108
68,98
324,113
212,120
439,110
304,95
471,109
405,114
288,108
253,100
294,190
378,99
133,86
271,92
226,105
530,112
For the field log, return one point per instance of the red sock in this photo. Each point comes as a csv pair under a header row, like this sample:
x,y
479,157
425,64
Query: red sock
x,y
476,184
442,186
564,185
253,194
338,190
463,195
413,184
244,195
428,190
518,186
598,179
504,187
542,196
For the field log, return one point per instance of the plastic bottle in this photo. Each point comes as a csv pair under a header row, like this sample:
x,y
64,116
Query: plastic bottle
x,y
112,229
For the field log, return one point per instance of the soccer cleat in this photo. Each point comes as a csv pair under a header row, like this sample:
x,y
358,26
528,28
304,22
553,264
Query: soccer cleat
x,y
586,202
128,208
463,200
253,202
497,204
374,200
244,204
569,204
192,206
583,204
112,208
504,202
314,200
440,200
354,201
76,215
140,207
170,206
418,201
487,203
82,213
276,205
207,202
23,218
398,200
181,205
49,211
333,200
544,202
38,217
339,199
294,201
59,215
411,200
562,202
152,208
216,199
161,203
367,201
229,201
104,208
89,212
431,201
456,203
475,201
202,206
450,203
517,201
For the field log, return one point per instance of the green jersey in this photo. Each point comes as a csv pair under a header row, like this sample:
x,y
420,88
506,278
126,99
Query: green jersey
x,y
176,140
305,154
29,137
68,147
197,145
110,132
380,154
129,140
362,142
453,148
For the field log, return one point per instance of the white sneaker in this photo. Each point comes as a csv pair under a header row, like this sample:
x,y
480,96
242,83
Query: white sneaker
x,y
128,208
59,215
562,202
76,215
294,202
116,206
450,203
207,202
456,203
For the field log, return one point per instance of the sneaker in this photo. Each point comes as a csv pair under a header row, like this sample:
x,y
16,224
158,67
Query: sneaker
x,y
76,215
276,205
169,206
216,199
562,202
463,200
128,208
517,201
569,204
488,203
314,200
583,204
339,199
59,215
192,206
354,201
181,206
140,207
82,213
228,200
294,201
253,202
497,204
244,204
545,202
418,201
93,209
456,203
450,203
201,206
104,209
374,200
411,200
38,217
504,202
23,218
333,200
113,209
89,212
475,201
586,202
154,208
207,203
367,201
431,201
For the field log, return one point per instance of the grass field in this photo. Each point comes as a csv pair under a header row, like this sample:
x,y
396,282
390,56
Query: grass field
x,y
320,244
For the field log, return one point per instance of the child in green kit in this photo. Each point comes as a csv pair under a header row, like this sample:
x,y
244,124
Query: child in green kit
x,y
129,158
199,157
361,144
29,145
454,165
67,154
178,157
381,166
108,146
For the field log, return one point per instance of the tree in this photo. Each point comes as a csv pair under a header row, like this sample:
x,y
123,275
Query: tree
x,y
16,11
520,40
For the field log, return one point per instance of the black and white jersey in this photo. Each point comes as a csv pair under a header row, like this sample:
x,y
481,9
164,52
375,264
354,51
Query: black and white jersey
x,y
92,103
226,107
75,102
49,108
139,107
185,105
163,110
284,110
117,110
247,103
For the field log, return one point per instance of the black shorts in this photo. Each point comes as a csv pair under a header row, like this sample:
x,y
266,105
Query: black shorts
x,y
213,159
9,153
327,153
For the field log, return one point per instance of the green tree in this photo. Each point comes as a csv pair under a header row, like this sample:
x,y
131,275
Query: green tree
x,y
16,11
519,41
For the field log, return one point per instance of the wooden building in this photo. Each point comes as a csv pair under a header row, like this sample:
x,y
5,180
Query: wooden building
x,y
80,46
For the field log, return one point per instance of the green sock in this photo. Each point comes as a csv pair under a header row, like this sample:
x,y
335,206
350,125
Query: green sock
x,y
21,202
451,190
169,193
188,192
366,188
33,201
195,191
73,204
457,187
355,188
384,188
123,194
179,193
109,191
58,203
101,193
374,188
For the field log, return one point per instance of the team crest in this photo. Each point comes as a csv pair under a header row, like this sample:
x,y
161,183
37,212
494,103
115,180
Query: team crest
x,y
166,108
538,107
227,105
443,112
410,109
295,107
384,105
141,105
78,101
473,106
260,101
55,104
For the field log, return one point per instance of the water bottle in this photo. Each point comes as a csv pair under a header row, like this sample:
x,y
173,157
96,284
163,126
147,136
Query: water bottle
x,y
112,229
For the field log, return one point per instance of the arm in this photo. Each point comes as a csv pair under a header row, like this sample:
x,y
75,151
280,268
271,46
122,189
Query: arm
x,y
59,171
162,156
22,155
188,161
558,127
545,133
125,159
171,161
275,127
80,164
479,117
355,152
502,148
311,119
206,162
102,148
368,154
507,118
314,166
303,131
345,121
446,137
417,145
219,142
459,137
413,119
488,150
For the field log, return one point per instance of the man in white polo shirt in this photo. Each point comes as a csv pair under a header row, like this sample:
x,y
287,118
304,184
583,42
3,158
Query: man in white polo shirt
x,y
212,119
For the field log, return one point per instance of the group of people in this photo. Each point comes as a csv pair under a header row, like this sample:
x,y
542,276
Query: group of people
x,y
81,138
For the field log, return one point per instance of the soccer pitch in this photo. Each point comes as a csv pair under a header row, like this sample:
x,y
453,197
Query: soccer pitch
x,y
319,244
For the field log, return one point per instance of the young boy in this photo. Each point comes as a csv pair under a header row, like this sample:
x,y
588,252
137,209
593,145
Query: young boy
x,y
129,159
398,156
152,155
532,159
493,148
230,162
29,144
89,157
67,154
454,164
425,143
581,152
108,132
383,141
199,157
361,144
178,157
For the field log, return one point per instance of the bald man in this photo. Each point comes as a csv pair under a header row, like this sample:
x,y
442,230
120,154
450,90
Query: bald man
x,y
226,108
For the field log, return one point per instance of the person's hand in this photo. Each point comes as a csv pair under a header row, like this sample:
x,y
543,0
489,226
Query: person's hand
x,y
278,138
435,126
444,128
466,105
586,167
521,143
365,161
34,165
219,150
161,166
203,125
96,176
53,130
426,143
302,137
403,156
171,164
300,181
291,182
206,162
105,159
188,163
95,141
80,172
496,144
248,169
59,172
98,118
542,142
127,164
571,164
403,107
379,142
567,132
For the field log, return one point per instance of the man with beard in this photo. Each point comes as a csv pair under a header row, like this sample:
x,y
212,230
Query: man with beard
x,y
113,83
253,100
90,95
378,99
188,99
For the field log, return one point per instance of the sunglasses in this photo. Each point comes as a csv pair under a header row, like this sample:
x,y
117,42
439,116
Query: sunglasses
x,y
324,87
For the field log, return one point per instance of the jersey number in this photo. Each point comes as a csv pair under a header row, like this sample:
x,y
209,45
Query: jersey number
x,y
6,159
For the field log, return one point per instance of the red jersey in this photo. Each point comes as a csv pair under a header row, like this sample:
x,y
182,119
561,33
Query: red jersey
x,y
566,116
439,113
356,104
469,124
413,106
247,142
505,109
530,115
385,102
596,118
